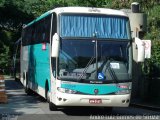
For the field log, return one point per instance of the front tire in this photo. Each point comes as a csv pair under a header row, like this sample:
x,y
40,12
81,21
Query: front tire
x,y
47,97
52,106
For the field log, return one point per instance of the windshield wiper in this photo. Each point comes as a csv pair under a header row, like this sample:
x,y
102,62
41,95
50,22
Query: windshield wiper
x,y
86,68
111,71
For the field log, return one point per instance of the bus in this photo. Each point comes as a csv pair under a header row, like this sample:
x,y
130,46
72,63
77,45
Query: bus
x,y
78,56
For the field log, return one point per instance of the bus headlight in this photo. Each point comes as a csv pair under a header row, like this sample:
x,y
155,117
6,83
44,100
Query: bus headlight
x,y
124,89
121,92
64,90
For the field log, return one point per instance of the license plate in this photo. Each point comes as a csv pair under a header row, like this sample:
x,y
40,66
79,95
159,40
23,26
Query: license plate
x,y
95,101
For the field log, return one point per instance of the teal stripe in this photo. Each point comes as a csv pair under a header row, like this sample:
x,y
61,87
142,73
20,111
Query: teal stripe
x,y
43,16
89,88
39,67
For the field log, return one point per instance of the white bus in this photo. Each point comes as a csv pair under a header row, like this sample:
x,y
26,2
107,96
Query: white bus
x,y
78,56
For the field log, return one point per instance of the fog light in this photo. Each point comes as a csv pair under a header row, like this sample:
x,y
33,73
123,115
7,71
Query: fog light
x,y
59,99
64,99
127,101
123,101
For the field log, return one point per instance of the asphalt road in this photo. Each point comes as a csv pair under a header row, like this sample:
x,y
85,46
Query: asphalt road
x,y
23,107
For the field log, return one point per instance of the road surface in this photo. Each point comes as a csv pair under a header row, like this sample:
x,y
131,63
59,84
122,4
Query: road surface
x,y
23,107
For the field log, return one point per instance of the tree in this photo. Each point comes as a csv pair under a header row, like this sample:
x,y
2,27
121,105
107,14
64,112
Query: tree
x,y
13,14
4,50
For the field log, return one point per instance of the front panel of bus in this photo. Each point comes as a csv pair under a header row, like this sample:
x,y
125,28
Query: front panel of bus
x,y
94,67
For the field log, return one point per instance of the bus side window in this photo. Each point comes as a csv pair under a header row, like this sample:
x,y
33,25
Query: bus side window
x,y
43,34
47,27
37,38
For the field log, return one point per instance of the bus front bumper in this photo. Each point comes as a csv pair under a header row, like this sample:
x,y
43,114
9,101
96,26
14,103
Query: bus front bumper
x,y
63,99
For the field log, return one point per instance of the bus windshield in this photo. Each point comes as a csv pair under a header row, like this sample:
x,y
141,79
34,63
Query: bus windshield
x,y
94,60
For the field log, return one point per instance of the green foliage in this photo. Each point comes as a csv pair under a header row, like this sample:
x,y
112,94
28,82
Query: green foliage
x,y
152,9
15,13
153,34
4,49
4,57
2,3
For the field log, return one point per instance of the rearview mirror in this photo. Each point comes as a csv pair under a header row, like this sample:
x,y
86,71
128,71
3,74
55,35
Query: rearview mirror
x,y
140,50
55,45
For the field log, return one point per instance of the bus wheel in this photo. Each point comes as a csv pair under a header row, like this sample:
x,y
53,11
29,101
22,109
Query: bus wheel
x,y
26,88
52,106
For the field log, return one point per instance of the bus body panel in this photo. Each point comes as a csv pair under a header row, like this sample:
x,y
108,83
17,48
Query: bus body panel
x,y
83,100
106,94
39,67
36,67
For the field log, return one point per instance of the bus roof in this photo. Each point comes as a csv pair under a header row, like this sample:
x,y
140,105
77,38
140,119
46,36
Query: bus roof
x,y
89,10
38,18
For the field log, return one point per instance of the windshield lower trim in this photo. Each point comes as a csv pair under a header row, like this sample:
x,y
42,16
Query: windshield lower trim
x,y
96,82
92,38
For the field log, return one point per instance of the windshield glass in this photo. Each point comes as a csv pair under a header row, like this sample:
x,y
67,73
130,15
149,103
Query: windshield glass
x,y
91,25
77,60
